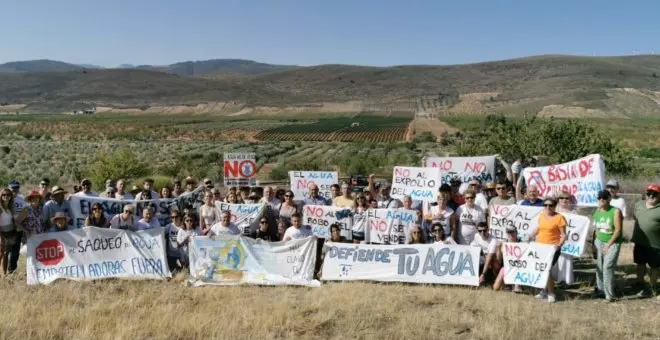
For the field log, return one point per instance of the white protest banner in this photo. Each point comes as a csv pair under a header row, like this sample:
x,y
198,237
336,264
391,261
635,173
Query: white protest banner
x,y
527,264
81,207
301,180
526,218
582,178
320,217
240,169
419,183
466,168
244,216
96,253
416,263
235,260
389,226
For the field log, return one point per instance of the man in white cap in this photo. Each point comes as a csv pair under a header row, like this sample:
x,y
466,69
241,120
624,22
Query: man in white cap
x,y
617,201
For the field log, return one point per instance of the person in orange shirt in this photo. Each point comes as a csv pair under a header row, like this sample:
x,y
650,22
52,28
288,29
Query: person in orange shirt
x,y
551,230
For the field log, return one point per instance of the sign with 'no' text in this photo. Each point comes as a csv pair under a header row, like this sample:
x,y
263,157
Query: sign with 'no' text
x,y
240,169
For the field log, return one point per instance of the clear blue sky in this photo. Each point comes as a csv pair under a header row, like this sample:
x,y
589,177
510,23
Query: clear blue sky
x,y
310,32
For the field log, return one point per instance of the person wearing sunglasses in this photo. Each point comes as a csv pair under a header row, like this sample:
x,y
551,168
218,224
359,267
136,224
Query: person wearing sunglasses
x,y
565,262
208,214
288,207
646,236
44,189
172,249
439,236
185,235
608,221
480,199
416,235
443,215
468,216
9,235
125,220
488,251
360,207
97,218
263,233
502,197
551,230
616,201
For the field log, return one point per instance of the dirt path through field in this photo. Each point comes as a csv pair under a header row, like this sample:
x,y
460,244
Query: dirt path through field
x,y
435,126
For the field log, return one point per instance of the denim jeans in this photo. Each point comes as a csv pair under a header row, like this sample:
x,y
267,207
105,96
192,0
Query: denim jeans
x,y
605,266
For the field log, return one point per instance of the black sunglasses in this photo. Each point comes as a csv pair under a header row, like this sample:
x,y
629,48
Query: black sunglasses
x,y
189,221
549,205
263,222
652,193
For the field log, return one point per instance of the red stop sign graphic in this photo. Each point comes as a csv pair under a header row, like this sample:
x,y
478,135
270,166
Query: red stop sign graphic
x,y
50,252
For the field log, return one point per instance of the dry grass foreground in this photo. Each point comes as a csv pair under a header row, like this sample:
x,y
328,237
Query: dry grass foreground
x,y
168,310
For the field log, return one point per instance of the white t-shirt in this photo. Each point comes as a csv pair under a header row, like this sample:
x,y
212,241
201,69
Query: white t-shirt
x,y
467,222
448,240
487,245
219,229
621,204
481,200
142,224
292,233
444,221
118,223
89,194
184,237
125,196
154,195
392,203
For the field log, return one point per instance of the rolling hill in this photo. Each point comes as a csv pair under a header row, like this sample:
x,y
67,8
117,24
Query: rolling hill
x,y
549,85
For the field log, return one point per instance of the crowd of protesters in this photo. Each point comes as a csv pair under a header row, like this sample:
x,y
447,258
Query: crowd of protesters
x,y
459,216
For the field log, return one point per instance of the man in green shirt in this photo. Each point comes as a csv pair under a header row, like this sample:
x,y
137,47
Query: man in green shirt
x,y
646,237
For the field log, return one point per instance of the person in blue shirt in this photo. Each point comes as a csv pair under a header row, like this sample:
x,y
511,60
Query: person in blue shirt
x,y
314,198
532,197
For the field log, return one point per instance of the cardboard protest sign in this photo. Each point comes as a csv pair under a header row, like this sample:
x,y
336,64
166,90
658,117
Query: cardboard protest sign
x,y
389,226
583,178
81,207
466,168
301,180
527,264
525,219
236,260
420,184
321,217
240,169
416,263
96,253
244,216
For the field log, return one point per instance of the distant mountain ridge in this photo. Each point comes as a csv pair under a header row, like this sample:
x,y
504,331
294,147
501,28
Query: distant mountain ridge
x,y
186,68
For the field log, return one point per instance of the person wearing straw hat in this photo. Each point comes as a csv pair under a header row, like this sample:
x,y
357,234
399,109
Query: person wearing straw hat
x,y
32,224
60,222
56,204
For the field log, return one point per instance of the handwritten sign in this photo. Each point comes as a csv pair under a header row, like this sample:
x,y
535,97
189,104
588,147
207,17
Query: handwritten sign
x,y
389,226
301,180
245,216
240,169
583,178
419,183
236,260
81,207
416,263
525,219
321,217
96,253
466,168
527,264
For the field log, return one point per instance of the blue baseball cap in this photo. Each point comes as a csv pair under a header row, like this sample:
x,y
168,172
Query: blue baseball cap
x,y
14,184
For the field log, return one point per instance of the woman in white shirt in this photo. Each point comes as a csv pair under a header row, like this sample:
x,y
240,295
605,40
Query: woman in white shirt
x,y
564,266
208,214
439,235
443,215
183,238
468,215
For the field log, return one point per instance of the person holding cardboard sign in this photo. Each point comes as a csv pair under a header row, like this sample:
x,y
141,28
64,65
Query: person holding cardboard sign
x,y
468,215
551,230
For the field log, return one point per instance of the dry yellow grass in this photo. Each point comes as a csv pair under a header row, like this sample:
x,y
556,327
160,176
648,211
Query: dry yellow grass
x,y
169,310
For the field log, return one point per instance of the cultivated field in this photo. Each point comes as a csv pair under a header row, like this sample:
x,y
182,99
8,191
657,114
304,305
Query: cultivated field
x,y
115,309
